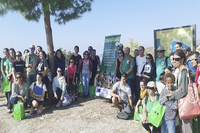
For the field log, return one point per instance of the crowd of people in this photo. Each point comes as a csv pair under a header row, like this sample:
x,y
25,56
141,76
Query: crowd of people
x,y
142,82
139,80
23,74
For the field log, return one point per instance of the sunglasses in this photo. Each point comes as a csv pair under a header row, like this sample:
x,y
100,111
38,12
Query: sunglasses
x,y
30,48
148,58
18,77
89,49
18,55
159,51
119,52
59,71
86,54
71,62
177,59
151,88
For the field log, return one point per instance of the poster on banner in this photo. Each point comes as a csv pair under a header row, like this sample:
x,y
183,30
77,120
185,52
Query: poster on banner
x,y
107,70
170,36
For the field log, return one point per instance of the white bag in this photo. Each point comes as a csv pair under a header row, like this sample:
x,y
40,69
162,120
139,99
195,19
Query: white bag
x,y
103,92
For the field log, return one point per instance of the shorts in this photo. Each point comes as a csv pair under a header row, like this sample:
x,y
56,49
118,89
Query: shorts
x,y
39,102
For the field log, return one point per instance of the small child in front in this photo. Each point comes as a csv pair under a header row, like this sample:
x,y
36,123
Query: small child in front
x,y
168,124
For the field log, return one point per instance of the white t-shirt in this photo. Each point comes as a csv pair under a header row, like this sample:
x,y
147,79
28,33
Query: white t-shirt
x,y
123,91
140,62
44,87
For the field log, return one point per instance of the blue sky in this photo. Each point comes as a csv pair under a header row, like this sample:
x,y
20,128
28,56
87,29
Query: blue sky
x,y
135,19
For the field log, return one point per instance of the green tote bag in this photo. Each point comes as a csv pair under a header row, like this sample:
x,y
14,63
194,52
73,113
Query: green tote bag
x,y
19,112
92,91
80,86
6,85
140,111
156,114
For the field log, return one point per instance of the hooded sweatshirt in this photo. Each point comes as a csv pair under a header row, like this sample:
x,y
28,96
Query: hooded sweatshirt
x,y
59,83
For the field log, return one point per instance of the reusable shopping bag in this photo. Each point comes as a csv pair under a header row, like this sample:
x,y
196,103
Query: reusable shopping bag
x,y
19,112
68,99
92,91
156,114
189,106
6,85
140,111
80,86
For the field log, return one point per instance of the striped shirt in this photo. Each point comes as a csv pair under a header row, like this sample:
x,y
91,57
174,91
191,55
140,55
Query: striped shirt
x,y
171,106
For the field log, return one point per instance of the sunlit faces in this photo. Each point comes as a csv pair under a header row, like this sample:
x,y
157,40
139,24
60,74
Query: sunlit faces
x,y
38,78
171,59
5,53
178,61
58,55
76,50
41,55
148,59
11,53
141,51
177,46
142,86
193,60
123,80
161,53
18,56
126,51
169,83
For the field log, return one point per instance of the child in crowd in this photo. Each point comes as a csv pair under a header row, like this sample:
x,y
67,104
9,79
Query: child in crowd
x,y
168,69
162,83
143,93
168,123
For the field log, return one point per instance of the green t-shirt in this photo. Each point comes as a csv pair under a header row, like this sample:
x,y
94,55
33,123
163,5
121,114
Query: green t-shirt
x,y
126,65
160,66
9,64
3,63
150,104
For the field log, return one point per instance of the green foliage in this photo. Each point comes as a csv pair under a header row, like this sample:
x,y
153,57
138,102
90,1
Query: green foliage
x,y
62,10
132,45
67,56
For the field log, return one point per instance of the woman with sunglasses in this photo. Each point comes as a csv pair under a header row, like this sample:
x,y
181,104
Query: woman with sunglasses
x,y
59,62
117,65
148,102
9,74
37,100
59,87
18,65
182,78
19,91
85,69
71,75
149,69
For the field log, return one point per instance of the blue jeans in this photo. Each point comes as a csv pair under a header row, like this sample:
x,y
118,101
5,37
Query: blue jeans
x,y
168,126
86,81
131,84
31,79
14,101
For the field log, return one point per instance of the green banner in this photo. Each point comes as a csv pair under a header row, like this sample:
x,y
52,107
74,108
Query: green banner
x,y
107,71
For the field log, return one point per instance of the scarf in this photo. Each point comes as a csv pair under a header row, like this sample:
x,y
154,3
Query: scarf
x,y
143,93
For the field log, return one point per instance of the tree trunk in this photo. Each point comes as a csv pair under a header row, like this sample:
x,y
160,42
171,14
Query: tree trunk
x,y
50,47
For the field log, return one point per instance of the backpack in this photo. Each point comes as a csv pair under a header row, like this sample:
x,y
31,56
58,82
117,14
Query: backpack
x,y
123,116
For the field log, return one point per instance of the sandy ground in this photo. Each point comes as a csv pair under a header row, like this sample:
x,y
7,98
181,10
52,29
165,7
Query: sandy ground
x,y
84,116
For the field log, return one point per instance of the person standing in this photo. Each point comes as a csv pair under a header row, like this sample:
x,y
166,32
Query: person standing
x,y
31,61
140,62
77,59
90,49
127,66
117,65
161,63
96,62
59,62
85,68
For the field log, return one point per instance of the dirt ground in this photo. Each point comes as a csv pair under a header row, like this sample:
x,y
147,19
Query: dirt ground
x,y
84,116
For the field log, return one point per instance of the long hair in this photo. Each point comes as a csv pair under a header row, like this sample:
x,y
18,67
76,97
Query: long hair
x,y
62,55
152,61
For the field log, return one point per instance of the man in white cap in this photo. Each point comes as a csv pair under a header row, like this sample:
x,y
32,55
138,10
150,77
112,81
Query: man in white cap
x,y
161,62
120,46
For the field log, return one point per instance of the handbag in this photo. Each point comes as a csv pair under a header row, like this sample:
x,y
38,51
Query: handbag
x,y
156,115
19,112
68,99
80,86
6,85
92,91
189,106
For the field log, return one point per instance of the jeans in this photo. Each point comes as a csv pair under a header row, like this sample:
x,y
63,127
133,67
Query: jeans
x,y
131,84
137,89
58,93
86,81
14,101
168,126
31,79
8,95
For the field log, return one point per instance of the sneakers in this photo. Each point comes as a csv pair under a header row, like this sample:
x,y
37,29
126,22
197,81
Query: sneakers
x,y
32,110
9,110
58,104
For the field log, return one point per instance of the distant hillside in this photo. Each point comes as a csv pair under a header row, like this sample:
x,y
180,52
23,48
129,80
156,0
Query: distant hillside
x,y
150,50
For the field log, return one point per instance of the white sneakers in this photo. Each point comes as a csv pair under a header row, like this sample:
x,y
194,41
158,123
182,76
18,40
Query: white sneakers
x,y
58,104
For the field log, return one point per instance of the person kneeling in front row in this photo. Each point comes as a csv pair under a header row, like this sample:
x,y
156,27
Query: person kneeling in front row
x,y
121,94
37,99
